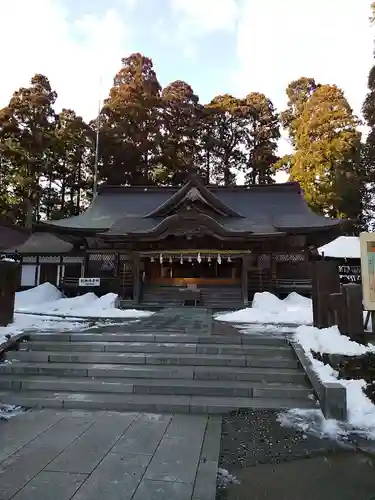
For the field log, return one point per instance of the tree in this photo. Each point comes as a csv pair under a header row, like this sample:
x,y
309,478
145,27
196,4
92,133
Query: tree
x,y
223,135
26,136
180,116
298,92
130,124
71,177
261,133
326,161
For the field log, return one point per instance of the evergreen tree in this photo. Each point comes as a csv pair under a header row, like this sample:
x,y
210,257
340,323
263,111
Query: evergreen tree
x,y
326,161
26,136
224,126
261,133
368,150
131,124
180,117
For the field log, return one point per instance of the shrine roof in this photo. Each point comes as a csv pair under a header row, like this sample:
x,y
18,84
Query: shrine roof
x,y
259,209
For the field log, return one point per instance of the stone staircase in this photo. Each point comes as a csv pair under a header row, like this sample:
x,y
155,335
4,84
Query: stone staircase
x,y
170,362
224,298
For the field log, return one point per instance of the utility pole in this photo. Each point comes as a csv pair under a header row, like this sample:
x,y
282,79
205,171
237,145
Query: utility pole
x,y
96,161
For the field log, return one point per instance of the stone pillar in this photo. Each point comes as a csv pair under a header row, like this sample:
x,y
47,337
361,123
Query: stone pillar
x,y
136,278
245,279
325,280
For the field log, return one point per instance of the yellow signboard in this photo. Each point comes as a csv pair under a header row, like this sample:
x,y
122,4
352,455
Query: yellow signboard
x,y
367,241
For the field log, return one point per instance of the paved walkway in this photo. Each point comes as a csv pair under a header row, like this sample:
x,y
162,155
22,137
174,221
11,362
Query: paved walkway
x,y
75,455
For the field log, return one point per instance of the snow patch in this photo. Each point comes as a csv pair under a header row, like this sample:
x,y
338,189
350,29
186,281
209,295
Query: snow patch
x,y
343,247
47,299
35,296
267,308
361,411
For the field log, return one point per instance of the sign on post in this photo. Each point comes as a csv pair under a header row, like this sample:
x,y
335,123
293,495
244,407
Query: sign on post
x,y
89,282
367,241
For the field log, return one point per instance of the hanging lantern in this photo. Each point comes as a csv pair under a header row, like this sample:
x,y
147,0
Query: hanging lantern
x,y
199,258
181,260
219,259
209,259
190,259
170,259
161,258
229,259
152,259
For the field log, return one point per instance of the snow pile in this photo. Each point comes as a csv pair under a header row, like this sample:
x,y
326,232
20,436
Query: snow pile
x,y
267,308
35,296
342,247
361,411
329,341
47,299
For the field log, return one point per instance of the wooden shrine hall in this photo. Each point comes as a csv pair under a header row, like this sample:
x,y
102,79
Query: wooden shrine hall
x,y
197,244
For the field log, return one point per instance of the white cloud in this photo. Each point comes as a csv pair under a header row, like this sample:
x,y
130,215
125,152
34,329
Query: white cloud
x,y
197,18
200,17
280,41
74,54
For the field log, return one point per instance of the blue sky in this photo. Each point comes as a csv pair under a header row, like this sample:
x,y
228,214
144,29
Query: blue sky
x,y
217,46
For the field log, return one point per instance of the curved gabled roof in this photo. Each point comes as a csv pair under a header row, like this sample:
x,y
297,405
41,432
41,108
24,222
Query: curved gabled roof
x,y
259,209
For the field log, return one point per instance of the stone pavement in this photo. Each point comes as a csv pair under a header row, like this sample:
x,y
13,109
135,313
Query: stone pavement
x,y
80,455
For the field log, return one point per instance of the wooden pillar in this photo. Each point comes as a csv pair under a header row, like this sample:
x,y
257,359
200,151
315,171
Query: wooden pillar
x,y
354,311
136,278
245,279
325,280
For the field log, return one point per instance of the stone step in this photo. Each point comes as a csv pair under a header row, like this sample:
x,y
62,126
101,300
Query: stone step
x,y
286,360
266,374
151,403
145,336
156,347
154,386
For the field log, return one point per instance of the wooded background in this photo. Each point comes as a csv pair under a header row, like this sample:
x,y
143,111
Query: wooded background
x,y
151,135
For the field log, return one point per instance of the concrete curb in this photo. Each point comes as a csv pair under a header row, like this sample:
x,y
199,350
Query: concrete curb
x,y
331,395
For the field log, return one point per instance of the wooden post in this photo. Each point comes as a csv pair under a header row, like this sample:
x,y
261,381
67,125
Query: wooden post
x,y
325,280
336,313
136,278
354,311
9,279
245,279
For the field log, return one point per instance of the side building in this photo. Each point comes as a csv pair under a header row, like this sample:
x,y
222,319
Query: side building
x,y
151,245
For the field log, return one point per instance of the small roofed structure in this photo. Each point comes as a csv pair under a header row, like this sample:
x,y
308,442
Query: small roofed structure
x,y
45,257
346,252
229,242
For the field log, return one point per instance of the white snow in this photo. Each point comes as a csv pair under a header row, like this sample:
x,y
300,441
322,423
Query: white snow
x,y
26,322
37,296
329,341
61,313
342,247
267,308
47,299
361,411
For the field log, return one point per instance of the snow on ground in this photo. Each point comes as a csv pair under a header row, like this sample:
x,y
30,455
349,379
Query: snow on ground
x,y
47,299
28,322
62,314
267,308
361,411
342,247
